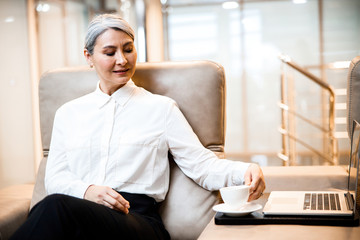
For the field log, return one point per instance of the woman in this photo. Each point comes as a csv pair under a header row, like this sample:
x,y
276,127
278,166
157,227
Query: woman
x,y
108,167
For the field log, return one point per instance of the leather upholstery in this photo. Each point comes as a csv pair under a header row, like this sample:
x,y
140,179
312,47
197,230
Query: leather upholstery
x,y
199,89
353,93
14,208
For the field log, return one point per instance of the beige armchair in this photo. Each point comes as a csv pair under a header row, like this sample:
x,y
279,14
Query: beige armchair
x,y
198,88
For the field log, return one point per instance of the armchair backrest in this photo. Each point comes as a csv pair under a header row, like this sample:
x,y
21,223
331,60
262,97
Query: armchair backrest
x,y
199,89
353,93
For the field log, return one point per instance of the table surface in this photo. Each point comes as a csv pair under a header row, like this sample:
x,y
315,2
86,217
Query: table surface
x,y
249,232
277,231
301,177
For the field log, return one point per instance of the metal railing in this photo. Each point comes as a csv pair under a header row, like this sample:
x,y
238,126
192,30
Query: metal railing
x,y
288,113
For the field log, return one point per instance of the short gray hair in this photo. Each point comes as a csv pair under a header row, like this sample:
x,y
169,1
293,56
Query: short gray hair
x,y
100,24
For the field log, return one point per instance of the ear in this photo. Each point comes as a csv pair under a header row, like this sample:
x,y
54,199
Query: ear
x,y
88,57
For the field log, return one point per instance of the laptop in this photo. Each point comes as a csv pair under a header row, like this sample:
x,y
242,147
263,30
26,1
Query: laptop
x,y
321,203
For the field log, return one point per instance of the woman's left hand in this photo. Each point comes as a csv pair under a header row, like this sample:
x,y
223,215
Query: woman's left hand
x,y
254,177
108,197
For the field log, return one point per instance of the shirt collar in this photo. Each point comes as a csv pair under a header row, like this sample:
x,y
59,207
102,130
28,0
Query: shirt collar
x,y
120,96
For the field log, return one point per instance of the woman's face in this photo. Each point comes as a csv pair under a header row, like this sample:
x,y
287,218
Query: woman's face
x,y
114,59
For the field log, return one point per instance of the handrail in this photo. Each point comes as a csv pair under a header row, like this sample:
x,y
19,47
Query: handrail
x,y
333,160
283,131
311,76
286,108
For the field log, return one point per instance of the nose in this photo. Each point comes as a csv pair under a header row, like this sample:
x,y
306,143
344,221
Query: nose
x,y
120,58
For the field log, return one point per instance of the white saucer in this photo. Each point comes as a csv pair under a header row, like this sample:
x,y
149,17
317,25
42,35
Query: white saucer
x,y
242,211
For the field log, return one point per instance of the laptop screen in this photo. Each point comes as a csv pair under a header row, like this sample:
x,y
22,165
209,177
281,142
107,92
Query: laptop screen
x,y
354,165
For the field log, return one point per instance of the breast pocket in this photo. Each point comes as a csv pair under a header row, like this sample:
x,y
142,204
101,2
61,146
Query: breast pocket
x,y
137,159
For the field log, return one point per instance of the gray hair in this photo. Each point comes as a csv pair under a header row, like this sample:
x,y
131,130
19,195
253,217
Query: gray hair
x,y
100,24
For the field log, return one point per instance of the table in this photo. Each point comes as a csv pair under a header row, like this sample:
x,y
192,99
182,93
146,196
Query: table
x,y
299,178
278,232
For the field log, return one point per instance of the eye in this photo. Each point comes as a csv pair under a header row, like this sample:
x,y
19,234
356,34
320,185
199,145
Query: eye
x,y
128,50
110,54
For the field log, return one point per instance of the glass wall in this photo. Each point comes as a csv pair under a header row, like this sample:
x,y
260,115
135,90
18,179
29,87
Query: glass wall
x,y
61,27
16,131
246,37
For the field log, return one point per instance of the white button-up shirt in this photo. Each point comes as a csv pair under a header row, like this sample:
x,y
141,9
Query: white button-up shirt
x,y
122,141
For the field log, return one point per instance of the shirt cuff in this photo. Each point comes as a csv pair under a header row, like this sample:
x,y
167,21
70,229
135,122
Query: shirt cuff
x,y
238,174
80,190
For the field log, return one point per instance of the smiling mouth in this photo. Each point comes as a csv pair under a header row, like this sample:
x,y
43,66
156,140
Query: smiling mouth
x,y
121,71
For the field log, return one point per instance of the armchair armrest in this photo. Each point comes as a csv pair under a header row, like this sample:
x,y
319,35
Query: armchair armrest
x,y
14,208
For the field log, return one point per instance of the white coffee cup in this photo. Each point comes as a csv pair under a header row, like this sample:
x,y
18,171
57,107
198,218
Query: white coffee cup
x,y
235,196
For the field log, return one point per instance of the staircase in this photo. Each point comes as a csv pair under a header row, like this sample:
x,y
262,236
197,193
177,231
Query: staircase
x,y
319,133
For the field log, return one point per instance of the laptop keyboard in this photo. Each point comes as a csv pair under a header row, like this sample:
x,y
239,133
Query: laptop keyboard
x,y
322,201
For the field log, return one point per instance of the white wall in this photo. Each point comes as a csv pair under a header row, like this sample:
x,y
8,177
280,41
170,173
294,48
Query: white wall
x,y
16,132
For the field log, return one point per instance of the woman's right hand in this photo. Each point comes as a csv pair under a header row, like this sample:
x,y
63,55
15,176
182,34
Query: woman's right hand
x,y
107,197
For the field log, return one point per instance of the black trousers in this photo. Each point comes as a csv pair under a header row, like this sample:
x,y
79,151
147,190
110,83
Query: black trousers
x,y
60,216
